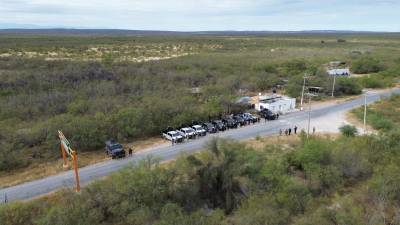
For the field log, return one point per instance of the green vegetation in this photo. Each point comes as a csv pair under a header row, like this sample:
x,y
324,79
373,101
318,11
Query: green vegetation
x,y
348,180
384,115
367,65
320,181
348,130
94,88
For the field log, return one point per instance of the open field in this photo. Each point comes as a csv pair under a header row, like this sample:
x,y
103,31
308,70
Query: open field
x,y
99,87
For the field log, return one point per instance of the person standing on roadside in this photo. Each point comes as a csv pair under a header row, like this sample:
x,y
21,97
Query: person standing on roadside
x,y
286,132
290,131
295,129
130,151
313,130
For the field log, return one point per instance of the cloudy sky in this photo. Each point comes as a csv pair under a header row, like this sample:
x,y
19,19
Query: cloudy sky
x,y
196,15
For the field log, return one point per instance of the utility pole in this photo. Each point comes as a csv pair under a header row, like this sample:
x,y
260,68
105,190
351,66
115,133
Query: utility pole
x,y
302,92
365,113
333,86
310,95
309,115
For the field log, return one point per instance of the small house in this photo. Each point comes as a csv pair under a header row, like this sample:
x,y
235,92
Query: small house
x,y
339,72
276,103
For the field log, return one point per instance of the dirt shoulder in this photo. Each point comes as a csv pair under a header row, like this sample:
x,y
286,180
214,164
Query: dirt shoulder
x,y
352,119
40,170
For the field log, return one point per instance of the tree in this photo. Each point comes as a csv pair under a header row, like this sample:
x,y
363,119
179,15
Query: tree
x,y
218,176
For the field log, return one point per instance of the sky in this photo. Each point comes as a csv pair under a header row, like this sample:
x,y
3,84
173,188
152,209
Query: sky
x,y
203,15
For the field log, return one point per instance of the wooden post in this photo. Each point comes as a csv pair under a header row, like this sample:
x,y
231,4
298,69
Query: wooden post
x,y
65,161
75,158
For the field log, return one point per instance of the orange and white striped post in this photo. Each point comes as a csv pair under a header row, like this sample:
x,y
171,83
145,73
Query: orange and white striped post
x,y
64,155
66,149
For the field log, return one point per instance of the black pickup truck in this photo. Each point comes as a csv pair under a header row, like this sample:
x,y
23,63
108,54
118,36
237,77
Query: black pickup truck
x,y
267,114
114,149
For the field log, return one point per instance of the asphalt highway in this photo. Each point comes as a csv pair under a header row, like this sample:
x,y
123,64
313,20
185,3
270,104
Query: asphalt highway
x,y
93,172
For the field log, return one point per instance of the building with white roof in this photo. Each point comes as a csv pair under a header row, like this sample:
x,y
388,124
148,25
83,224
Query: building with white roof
x,y
275,103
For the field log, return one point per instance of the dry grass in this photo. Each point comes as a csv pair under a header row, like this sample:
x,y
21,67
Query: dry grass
x,y
287,142
119,52
146,144
37,171
352,119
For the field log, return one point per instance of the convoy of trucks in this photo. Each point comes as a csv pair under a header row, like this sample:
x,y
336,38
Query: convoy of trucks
x,y
179,135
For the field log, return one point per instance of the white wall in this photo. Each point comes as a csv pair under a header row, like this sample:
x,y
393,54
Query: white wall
x,y
282,106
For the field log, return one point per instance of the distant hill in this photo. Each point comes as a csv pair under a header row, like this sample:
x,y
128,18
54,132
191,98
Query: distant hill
x,y
116,32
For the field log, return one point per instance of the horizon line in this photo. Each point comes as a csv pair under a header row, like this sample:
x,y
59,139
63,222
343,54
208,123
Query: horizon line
x,y
194,31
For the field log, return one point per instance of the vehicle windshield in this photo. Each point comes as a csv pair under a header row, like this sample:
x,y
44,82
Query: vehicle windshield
x,y
189,130
174,134
116,146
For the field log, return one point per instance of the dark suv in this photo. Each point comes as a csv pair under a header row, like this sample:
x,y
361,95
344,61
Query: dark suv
x,y
114,149
250,117
219,125
239,119
209,127
230,123
267,114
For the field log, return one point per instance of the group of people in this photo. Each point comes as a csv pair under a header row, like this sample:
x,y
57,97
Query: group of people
x,y
288,131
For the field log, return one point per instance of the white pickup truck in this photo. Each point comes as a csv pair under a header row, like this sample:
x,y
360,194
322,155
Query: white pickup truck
x,y
173,136
200,131
188,132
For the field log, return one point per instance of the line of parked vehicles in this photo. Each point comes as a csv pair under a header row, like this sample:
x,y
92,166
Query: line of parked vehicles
x,y
198,129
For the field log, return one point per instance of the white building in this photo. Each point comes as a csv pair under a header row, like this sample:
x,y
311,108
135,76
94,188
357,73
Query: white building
x,y
339,72
276,103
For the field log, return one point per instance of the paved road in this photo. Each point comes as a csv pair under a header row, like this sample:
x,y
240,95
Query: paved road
x,y
90,173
